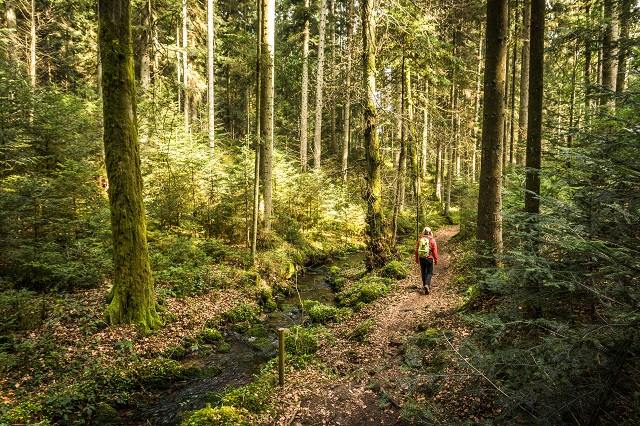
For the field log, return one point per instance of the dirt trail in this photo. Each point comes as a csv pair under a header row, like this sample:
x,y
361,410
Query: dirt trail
x,y
348,397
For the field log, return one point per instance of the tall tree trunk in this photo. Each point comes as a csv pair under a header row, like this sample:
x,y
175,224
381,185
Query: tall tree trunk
x,y
317,138
476,110
425,131
133,294
210,75
332,21
402,163
609,46
185,64
145,45
377,245
524,82
439,170
346,132
304,102
514,60
258,144
267,99
534,133
489,227
32,46
623,45
11,25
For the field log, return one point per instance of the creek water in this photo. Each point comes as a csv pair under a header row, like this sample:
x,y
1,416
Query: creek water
x,y
248,353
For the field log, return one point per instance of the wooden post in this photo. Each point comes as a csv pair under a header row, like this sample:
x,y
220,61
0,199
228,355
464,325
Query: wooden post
x,y
281,356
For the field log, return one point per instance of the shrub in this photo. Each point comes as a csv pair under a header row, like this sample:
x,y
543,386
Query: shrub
x,y
241,313
361,331
253,397
300,341
363,292
395,270
211,335
219,416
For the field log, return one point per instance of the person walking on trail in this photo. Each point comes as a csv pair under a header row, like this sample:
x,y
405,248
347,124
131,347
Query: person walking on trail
x,y
426,254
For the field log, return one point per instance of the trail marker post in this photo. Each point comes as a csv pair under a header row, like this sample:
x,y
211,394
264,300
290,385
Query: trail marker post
x,y
281,356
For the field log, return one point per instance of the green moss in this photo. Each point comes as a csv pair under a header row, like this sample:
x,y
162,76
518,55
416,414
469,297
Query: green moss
x,y
211,336
241,313
254,397
105,414
365,291
300,341
219,416
265,298
361,331
320,313
395,270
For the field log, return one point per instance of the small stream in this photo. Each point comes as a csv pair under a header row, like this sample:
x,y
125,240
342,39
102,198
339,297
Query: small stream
x,y
245,357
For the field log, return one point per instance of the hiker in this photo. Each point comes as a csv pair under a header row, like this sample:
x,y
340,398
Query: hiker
x,y
426,254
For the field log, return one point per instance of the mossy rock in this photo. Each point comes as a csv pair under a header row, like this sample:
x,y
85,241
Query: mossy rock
x,y
211,336
219,416
394,270
319,312
265,299
262,344
105,415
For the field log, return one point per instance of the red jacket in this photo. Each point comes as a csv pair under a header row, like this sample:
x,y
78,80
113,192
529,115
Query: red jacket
x,y
433,246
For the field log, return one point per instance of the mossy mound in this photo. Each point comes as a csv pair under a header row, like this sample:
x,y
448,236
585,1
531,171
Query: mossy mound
x,y
394,270
219,416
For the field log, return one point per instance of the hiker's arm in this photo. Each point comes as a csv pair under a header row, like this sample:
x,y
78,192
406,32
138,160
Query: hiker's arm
x,y
434,250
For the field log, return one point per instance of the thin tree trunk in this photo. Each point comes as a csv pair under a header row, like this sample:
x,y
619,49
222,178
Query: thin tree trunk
x,y
346,133
267,99
489,227
133,298
11,25
609,46
402,164
332,21
304,102
425,132
210,75
317,139
524,83
258,145
32,46
377,246
514,59
623,45
476,122
439,168
145,41
185,64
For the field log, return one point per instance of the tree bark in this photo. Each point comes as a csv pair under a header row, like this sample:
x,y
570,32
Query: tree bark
x,y
258,145
133,290
489,226
534,133
185,64
377,244
210,76
623,45
11,26
524,82
32,46
609,46
304,102
317,139
145,42
267,99
402,163
346,132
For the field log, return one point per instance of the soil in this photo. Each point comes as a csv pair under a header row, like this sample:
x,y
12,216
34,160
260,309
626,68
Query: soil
x,y
360,383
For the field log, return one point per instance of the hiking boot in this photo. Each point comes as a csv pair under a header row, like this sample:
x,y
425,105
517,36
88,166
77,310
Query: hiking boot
x,y
426,289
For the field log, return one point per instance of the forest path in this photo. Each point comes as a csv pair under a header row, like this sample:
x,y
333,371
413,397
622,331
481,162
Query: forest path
x,y
365,370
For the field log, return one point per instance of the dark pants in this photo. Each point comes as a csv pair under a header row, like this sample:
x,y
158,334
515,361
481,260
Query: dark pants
x,y
426,268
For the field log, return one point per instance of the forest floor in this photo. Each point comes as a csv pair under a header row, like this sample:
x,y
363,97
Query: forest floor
x,y
369,382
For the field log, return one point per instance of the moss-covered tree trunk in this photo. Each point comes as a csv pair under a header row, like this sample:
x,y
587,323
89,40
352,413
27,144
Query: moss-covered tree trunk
x,y
133,293
377,241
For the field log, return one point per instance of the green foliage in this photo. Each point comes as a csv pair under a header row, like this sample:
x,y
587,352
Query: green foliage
x,y
394,270
321,313
211,335
367,290
218,416
266,300
361,331
241,313
300,341
254,397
